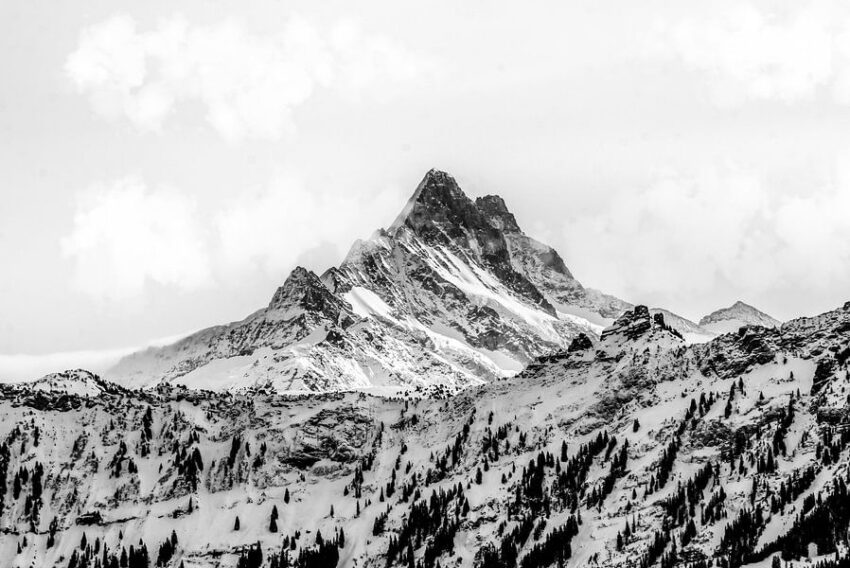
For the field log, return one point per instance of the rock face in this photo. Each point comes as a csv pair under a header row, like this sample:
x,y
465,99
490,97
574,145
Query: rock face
x,y
453,293
632,324
594,456
580,343
494,209
636,323
303,291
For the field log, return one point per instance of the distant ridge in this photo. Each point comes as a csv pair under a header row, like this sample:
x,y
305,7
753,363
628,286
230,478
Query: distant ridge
x,y
735,316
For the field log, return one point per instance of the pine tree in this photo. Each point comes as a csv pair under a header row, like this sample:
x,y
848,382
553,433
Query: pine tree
x,y
273,521
411,562
236,524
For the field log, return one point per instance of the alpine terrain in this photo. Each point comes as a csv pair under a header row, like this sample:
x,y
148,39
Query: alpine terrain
x,y
448,396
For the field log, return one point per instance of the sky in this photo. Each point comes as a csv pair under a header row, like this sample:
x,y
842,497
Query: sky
x,y
164,166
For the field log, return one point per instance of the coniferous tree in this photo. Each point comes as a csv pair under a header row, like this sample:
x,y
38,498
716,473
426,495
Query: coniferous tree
x,y
273,521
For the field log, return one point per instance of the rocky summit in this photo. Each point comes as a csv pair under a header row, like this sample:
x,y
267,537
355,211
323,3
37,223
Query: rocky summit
x,y
448,396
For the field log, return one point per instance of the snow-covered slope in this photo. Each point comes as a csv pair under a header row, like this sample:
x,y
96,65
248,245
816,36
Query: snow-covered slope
x,y
453,293
635,449
729,320
691,332
78,382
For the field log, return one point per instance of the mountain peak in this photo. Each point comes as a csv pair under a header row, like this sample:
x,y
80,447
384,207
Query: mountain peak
x,y
439,203
437,199
738,314
439,211
303,289
450,266
493,207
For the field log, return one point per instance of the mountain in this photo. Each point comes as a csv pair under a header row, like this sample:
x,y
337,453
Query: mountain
x,y
452,293
633,449
727,320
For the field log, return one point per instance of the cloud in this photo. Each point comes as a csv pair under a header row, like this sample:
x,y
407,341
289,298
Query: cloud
x,y
248,84
272,228
750,54
687,236
373,64
126,235
23,367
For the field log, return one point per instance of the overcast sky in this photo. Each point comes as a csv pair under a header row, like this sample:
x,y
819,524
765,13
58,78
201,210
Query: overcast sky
x,y
163,170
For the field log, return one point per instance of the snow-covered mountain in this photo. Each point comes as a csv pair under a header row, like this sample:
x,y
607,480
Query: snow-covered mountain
x,y
521,421
635,449
452,293
739,314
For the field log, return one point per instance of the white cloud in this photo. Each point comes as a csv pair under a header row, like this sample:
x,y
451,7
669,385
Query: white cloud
x,y
372,64
125,235
23,367
274,227
686,237
248,84
750,54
